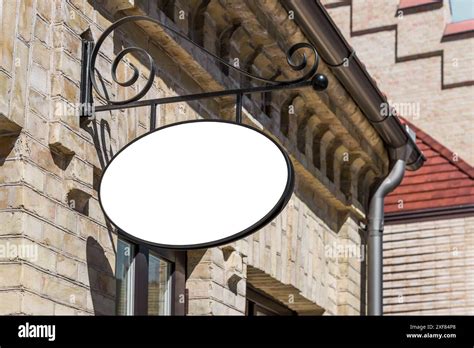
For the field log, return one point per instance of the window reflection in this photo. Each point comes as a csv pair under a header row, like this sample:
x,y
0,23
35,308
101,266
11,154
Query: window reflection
x,y
124,278
159,289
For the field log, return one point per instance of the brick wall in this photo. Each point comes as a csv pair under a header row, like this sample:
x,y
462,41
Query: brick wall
x,y
429,76
428,268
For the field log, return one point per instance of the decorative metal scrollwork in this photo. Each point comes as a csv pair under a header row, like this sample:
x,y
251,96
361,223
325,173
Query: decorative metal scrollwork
x,y
310,74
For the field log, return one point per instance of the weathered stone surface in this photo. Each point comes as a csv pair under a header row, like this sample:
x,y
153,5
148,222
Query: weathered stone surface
x,y
11,302
43,31
41,54
37,126
61,156
5,91
39,79
8,33
18,97
25,19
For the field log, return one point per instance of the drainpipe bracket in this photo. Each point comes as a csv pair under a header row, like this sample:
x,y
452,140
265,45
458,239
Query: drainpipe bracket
x,y
405,151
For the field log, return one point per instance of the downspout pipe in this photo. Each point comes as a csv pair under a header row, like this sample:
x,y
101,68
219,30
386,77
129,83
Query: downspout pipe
x,y
375,226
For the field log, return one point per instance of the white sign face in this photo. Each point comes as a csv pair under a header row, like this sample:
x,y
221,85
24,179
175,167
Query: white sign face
x,y
196,184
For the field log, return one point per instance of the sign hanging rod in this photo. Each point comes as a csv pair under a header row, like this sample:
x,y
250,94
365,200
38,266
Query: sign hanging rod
x,y
309,78
205,95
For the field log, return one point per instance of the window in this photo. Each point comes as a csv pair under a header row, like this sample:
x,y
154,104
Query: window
x,y
149,281
461,10
159,286
124,278
260,304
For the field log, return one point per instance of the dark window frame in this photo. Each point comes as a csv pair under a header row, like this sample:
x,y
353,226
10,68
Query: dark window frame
x,y
257,301
177,260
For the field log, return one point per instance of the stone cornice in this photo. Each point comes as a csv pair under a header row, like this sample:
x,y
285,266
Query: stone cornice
x,y
334,148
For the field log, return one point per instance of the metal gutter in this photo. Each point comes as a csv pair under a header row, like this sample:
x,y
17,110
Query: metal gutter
x,y
399,139
322,32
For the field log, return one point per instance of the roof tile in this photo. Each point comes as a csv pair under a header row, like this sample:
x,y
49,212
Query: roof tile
x,y
443,181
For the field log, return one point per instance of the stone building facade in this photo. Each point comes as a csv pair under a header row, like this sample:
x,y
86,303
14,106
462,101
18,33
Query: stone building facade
x,y
424,61
60,255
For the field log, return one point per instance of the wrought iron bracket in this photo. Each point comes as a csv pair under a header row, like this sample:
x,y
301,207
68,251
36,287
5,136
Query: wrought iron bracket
x,y
85,106
91,78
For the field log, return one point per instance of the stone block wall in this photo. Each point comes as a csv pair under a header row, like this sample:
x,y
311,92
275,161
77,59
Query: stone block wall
x,y
429,79
51,164
298,250
301,250
62,250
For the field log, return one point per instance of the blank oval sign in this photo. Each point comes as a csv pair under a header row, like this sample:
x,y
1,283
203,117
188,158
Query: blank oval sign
x,y
196,184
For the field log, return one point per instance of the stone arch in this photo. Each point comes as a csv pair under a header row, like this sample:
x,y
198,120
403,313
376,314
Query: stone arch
x,y
302,123
247,66
318,134
365,185
168,8
224,45
266,105
358,168
342,169
196,25
297,122
310,129
330,154
285,113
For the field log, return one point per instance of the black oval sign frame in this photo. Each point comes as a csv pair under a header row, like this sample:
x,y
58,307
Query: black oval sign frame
x,y
273,213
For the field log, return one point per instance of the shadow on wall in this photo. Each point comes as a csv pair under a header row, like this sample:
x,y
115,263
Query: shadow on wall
x,y
194,257
8,139
101,279
199,257
101,275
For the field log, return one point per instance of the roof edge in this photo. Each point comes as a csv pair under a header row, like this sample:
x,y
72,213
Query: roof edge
x,y
442,213
445,152
323,33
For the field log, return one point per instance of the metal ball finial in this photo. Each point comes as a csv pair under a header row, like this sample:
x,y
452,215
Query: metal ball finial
x,y
319,82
